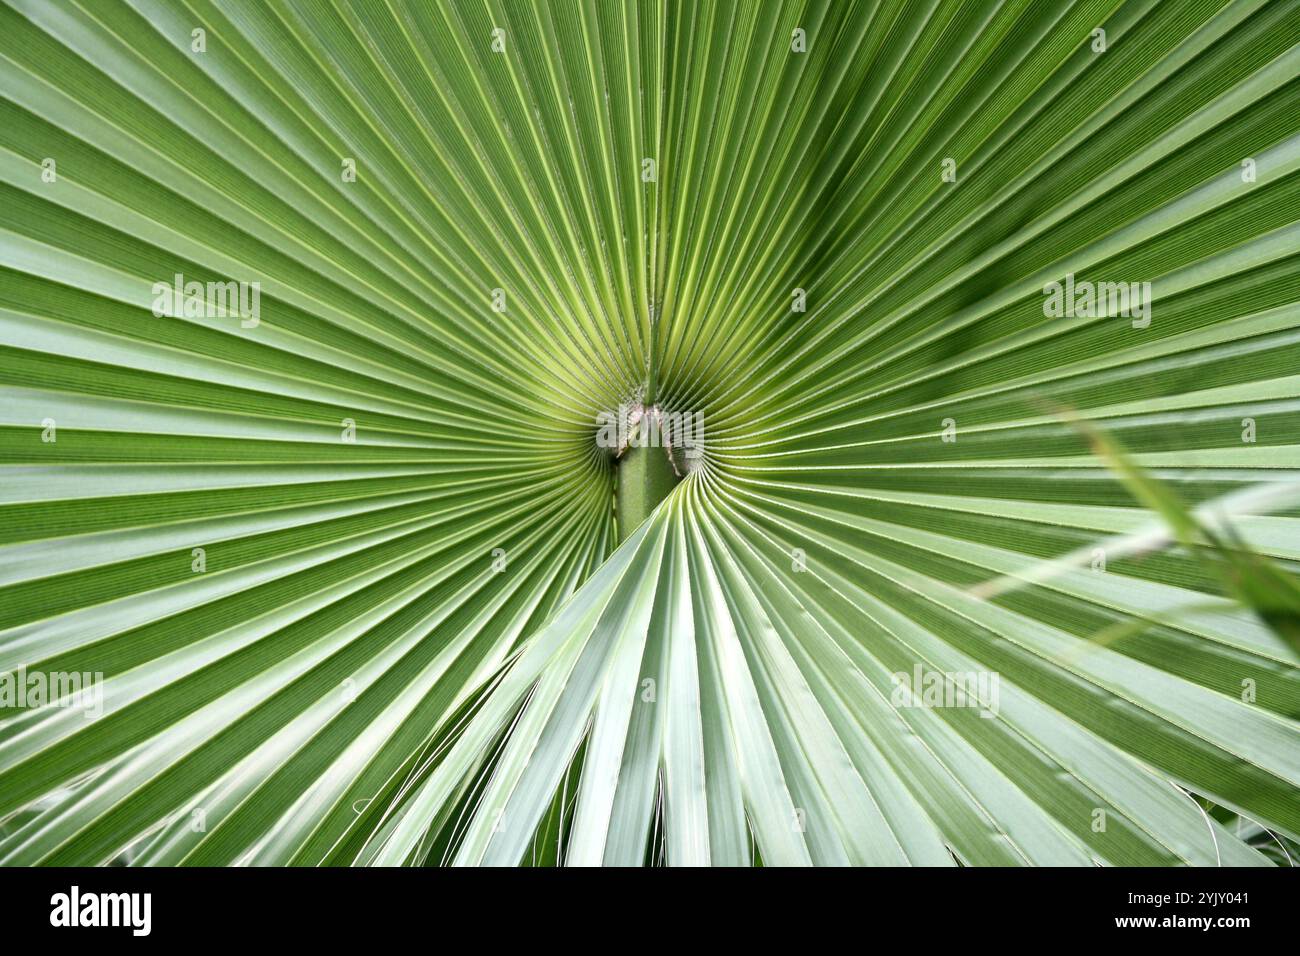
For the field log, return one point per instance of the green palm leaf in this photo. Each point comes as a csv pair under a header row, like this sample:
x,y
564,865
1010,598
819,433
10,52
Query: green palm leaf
x,y
362,585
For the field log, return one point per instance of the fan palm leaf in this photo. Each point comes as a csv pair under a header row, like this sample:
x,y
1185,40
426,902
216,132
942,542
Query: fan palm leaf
x,y
364,587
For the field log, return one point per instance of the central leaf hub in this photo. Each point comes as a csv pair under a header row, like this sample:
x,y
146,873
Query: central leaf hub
x,y
644,478
652,450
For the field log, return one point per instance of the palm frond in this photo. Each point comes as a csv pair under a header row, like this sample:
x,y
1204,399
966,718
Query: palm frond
x,y
351,567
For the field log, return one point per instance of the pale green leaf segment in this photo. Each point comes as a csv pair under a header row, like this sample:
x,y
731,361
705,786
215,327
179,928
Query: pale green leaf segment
x,y
425,644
